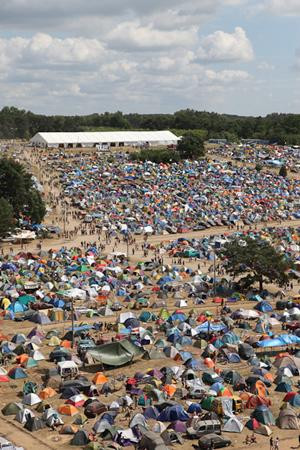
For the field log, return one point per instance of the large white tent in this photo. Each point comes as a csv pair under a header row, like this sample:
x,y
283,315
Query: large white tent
x,y
110,139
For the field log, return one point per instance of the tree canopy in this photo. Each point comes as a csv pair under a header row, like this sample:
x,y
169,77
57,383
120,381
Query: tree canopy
x,y
257,260
281,128
191,146
7,221
18,192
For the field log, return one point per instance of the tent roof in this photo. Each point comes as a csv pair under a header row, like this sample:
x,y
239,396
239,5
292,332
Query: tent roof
x,y
110,136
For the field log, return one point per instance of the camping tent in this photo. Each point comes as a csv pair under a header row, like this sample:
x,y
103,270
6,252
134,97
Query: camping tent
x,y
115,353
233,425
288,419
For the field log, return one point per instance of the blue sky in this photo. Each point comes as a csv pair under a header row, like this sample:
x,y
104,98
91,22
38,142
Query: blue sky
x,y
77,57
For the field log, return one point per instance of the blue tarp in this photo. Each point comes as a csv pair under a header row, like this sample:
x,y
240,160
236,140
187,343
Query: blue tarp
x,y
212,327
284,339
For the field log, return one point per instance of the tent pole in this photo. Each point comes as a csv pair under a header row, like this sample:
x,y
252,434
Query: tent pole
x,y
72,318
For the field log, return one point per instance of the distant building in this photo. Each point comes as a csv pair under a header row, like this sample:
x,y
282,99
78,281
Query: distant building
x,y
105,139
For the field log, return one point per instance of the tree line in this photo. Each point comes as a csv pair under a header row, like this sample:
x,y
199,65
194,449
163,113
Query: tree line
x,y
19,197
281,128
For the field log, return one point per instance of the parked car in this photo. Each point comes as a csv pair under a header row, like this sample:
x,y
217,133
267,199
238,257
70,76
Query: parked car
x,y
204,428
207,440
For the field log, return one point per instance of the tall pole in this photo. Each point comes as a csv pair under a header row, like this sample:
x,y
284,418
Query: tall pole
x,y
72,318
214,273
65,219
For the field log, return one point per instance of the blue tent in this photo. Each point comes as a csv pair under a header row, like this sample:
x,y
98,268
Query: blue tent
x,y
9,266
263,415
233,358
295,401
177,316
164,280
283,387
194,364
194,407
230,338
40,318
186,356
58,303
17,307
217,386
17,373
255,298
132,322
185,340
172,413
263,306
151,412
212,327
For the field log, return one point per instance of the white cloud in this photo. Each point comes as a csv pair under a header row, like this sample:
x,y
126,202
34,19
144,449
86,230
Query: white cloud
x,y
264,65
226,47
297,60
134,36
283,7
227,76
45,50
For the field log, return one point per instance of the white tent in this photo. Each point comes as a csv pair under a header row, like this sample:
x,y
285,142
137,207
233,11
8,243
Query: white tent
x,y
23,415
107,138
233,425
31,399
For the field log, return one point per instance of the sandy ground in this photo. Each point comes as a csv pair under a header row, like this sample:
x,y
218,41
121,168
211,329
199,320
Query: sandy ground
x,y
47,439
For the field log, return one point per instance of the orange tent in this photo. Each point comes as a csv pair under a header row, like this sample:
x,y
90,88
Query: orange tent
x,y
225,392
21,359
47,393
269,377
261,389
100,378
209,363
68,410
169,389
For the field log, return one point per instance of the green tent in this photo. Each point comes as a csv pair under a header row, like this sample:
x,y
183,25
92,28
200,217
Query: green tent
x,y
31,363
115,353
190,253
164,314
85,268
207,403
11,409
25,299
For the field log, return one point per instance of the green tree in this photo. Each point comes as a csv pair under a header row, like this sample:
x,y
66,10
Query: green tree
x,y
191,146
257,259
7,222
283,171
16,186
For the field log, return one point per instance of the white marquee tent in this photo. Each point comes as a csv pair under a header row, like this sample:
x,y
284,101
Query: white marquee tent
x,y
110,138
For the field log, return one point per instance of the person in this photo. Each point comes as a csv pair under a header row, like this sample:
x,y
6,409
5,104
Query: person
x,y
271,443
248,440
277,443
299,440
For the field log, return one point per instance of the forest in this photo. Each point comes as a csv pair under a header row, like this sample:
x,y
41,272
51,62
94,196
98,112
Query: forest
x,y
280,128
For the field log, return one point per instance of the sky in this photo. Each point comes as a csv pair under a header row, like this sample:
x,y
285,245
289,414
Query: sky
x,y
150,56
